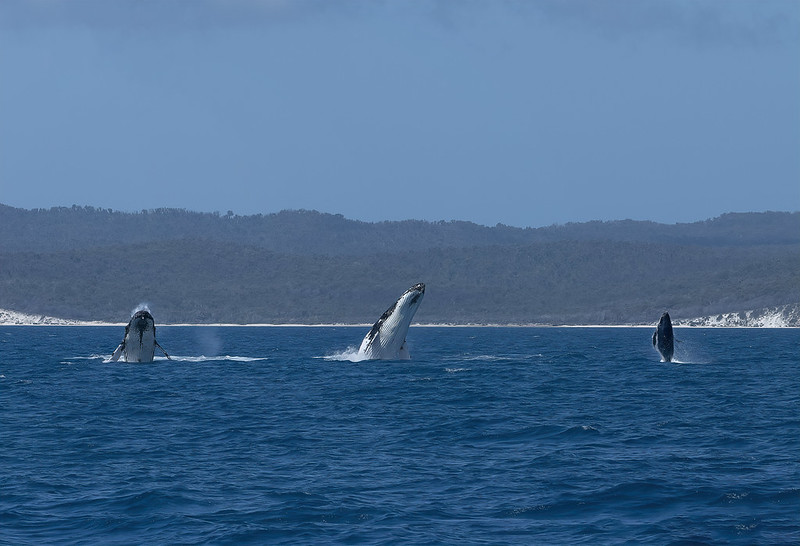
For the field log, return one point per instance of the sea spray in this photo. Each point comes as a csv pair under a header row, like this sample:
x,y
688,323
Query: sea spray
x,y
141,307
208,341
351,354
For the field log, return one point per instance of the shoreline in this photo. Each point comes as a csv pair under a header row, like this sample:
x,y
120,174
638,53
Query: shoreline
x,y
773,319
413,325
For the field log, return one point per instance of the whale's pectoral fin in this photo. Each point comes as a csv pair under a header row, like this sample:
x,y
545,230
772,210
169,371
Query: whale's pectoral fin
x,y
117,352
655,334
162,350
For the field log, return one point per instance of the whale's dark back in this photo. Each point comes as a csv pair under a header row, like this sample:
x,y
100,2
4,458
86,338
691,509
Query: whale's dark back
x,y
664,338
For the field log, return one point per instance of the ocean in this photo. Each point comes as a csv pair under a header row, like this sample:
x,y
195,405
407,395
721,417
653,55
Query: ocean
x,y
255,435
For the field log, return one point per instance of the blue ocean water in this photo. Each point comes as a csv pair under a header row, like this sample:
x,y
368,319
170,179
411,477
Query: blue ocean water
x,y
488,435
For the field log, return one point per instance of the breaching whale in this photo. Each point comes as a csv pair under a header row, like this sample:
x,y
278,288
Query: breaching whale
x,y
139,343
387,338
663,339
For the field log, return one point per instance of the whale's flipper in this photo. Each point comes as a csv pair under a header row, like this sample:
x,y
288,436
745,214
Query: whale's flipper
x,y
162,350
655,337
117,352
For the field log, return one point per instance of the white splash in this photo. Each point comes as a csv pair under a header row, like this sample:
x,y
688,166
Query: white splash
x,y
141,307
351,354
226,358
196,359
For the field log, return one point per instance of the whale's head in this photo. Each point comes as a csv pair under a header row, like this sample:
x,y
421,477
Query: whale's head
x,y
406,305
413,296
665,320
141,323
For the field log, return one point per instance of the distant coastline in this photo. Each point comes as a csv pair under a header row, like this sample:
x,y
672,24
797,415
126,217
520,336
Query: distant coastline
x,y
13,318
312,268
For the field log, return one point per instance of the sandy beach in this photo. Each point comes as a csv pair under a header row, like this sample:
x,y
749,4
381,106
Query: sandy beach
x,y
729,320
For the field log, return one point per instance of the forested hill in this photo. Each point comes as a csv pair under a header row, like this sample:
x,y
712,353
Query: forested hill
x,y
309,267
314,233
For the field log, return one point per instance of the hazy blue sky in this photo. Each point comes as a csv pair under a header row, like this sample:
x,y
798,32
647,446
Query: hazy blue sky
x,y
522,112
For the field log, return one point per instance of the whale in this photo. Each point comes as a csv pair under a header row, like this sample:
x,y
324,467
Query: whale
x,y
139,343
386,340
663,339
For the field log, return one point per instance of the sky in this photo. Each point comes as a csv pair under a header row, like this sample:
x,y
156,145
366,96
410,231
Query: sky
x,y
526,113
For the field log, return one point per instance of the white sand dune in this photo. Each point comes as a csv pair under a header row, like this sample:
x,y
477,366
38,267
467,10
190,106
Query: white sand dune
x,y
15,318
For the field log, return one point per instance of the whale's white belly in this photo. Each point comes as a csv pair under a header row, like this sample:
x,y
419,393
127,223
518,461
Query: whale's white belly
x,y
140,348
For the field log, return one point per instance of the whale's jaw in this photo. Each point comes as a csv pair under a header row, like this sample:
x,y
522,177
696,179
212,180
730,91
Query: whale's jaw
x,y
387,338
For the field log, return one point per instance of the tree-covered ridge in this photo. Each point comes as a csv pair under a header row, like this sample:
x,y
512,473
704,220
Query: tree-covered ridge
x,y
314,233
309,267
572,282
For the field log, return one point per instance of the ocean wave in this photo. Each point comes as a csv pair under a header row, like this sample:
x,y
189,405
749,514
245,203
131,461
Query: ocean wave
x,y
296,449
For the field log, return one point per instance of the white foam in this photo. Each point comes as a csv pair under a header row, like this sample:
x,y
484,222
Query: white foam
x,y
484,358
226,358
351,354
498,358
201,358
